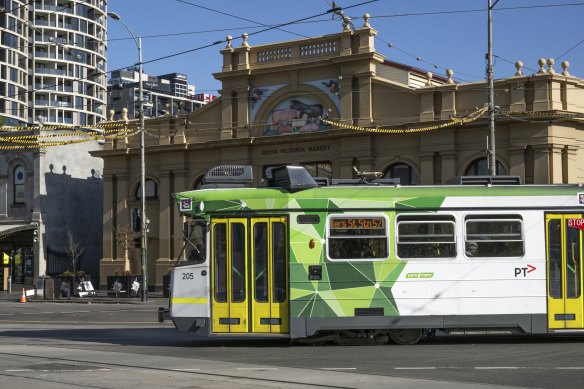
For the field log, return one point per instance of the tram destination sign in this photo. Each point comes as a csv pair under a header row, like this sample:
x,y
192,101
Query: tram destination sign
x,y
357,223
576,223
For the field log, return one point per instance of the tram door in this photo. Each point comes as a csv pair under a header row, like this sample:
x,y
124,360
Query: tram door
x,y
564,272
249,275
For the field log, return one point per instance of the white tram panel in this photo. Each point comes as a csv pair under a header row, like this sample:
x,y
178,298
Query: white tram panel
x,y
190,291
470,289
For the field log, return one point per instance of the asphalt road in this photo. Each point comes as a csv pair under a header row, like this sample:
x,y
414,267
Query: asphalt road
x,y
67,345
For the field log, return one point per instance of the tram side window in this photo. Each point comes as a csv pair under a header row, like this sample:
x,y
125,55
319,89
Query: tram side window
x,y
195,242
357,238
494,236
426,236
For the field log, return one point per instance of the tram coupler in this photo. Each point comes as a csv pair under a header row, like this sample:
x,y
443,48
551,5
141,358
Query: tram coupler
x,y
163,314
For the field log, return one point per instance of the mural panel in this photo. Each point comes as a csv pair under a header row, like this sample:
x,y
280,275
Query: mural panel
x,y
295,115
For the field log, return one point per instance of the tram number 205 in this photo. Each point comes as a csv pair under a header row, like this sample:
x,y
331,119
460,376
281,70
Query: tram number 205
x,y
188,276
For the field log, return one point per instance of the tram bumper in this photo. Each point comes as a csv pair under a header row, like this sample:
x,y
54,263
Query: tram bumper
x,y
191,324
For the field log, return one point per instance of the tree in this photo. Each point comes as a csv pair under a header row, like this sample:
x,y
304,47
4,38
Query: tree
x,y
73,250
125,240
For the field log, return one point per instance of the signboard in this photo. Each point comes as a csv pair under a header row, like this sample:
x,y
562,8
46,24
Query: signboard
x,y
5,259
186,205
576,223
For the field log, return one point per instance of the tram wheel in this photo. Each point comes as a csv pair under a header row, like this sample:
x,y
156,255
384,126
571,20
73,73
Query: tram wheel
x,y
406,336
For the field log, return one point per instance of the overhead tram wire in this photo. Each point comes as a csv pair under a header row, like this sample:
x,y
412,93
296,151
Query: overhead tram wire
x,y
238,17
206,46
255,33
214,30
579,4
570,49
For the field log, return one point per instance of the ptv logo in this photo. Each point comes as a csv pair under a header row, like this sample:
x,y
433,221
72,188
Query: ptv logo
x,y
522,271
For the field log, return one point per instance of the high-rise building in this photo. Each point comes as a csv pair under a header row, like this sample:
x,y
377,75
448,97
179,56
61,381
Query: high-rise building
x,y
53,61
167,94
52,72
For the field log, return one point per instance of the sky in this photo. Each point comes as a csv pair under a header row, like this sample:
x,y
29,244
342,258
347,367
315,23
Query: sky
x,y
433,35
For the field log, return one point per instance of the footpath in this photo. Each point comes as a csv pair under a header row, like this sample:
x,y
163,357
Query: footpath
x,y
101,297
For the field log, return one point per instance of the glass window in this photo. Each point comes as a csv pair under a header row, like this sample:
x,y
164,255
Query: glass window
x,y
406,174
237,263
357,237
555,258
19,185
279,248
426,236
480,167
260,247
196,247
573,269
220,262
319,169
151,190
494,236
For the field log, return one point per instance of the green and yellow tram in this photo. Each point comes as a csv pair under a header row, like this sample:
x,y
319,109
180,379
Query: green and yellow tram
x,y
320,259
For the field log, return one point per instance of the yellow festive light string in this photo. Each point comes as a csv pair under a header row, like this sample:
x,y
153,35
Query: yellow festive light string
x,y
393,131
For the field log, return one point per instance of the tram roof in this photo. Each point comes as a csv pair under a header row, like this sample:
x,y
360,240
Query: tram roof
x,y
367,196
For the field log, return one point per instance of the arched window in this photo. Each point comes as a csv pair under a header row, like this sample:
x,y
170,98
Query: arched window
x,y
406,174
151,190
480,167
19,185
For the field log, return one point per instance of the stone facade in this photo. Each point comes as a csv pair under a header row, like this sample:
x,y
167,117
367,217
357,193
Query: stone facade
x,y
273,102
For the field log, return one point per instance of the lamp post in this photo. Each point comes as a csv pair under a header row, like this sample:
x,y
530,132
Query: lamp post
x,y
143,219
491,157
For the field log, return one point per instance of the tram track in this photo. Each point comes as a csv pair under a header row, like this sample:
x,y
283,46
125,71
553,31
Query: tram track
x,y
123,366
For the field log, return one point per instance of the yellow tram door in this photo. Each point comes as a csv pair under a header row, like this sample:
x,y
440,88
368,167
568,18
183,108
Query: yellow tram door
x,y
229,305
564,271
269,275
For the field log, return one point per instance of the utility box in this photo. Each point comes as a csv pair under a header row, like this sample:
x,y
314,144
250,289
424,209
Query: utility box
x,y
45,288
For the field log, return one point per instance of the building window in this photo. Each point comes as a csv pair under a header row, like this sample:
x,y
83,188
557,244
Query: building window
x,y
426,236
319,169
135,220
480,167
406,174
19,185
357,237
151,190
494,236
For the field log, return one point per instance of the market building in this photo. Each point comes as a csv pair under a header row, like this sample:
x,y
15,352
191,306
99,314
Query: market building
x,y
332,103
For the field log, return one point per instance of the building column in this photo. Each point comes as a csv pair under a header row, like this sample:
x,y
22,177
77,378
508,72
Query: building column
x,y
572,155
365,103
541,100
39,189
226,112
426,169
180,184
108,213
346,97
541,164
164,229
427,106
4,194
242,112
448,104
449,168
556,164
116,215
517,162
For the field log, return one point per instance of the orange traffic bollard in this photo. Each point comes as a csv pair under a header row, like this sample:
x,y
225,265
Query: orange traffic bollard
x,y
23,297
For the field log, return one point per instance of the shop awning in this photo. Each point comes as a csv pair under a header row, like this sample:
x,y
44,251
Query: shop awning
x,y
8,229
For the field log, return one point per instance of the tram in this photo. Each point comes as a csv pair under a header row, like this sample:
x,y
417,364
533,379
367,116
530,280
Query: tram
x,y
366,259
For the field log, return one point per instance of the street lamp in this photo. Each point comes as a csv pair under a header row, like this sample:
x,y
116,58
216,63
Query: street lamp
x,y
143,219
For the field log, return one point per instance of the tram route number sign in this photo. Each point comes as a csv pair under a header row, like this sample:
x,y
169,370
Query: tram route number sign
x,y
576,223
